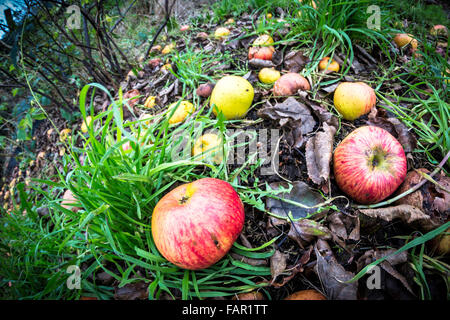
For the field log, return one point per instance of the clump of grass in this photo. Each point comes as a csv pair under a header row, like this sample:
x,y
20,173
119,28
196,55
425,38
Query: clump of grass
x,y
196,67
118,189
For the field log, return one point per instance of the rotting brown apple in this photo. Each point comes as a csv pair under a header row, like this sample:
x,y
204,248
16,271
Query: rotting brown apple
x,y
263,53
289,84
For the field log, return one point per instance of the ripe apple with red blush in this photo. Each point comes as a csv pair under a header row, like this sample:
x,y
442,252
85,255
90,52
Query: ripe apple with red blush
x,y
369,164
195,224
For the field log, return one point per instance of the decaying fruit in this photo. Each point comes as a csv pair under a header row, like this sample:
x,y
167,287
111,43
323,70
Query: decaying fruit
x,y
204,90
150,102
289,84
69,201
85,124
183,109
403,39
268,75
168,48
263,40
185,27
306,295
254,295
233,96
332,66
354,99
263,53
442,243
230,21
131,96
439,30
221,32
208,146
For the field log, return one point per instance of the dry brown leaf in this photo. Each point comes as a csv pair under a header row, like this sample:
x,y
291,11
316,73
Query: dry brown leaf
x,y
294,117
332,275
388,265
432,199
295,61
407,213
319,150
379,118
278,263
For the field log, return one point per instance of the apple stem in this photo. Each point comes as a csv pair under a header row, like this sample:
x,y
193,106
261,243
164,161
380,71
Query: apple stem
x,y
409,191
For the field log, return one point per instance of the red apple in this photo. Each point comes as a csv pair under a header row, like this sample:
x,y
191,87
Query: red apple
x,y
263,53
289,84
195,224
369,164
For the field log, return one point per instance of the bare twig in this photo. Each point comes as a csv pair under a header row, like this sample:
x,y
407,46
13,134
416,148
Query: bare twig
x,y
161,27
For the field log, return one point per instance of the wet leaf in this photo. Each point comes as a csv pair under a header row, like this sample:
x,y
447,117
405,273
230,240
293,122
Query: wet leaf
x,y
319,150
332,275
295,61
260,63
300,193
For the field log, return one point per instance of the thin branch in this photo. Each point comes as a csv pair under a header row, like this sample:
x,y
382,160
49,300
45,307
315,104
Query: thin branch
x,y
161,27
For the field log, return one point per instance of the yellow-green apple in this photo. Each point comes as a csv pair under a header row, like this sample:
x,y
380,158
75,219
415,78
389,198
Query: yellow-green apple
x,y
195,224
208,146
233,96
354,99
369,164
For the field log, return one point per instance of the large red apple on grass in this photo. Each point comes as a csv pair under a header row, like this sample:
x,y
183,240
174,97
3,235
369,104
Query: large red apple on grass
x,y
195,224
369,164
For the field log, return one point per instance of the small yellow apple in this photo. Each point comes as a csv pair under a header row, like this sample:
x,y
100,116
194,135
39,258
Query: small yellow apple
x,y
233,96
85,124
221,32
354,99
333,66
263,40
183,109
209,147
168,48
403,39
268,75
150,102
